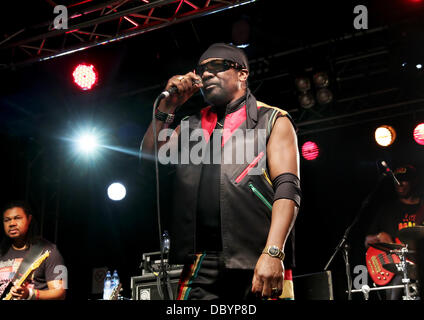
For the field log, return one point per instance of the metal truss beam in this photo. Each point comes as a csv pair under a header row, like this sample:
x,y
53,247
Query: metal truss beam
x,y
398,109
101,24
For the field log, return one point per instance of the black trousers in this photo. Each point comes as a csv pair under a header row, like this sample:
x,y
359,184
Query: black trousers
x,y
204,277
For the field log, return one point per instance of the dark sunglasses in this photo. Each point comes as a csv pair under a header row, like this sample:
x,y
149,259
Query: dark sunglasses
x,y
216,66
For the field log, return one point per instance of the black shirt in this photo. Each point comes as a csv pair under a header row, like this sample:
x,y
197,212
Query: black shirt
x,y
208,220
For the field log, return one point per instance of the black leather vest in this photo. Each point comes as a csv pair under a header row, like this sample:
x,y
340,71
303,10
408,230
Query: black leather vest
x,y
246,198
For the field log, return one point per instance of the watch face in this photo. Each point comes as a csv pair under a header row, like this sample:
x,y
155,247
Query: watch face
x,y
273,250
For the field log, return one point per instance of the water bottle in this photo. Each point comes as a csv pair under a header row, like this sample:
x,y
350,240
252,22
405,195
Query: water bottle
x,y
115,280
166,242
107,289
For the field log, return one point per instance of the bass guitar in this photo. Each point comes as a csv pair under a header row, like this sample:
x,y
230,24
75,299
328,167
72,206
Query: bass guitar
x,y
377,256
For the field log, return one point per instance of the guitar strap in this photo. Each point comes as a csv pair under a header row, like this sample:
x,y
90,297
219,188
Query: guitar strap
x,y
33,253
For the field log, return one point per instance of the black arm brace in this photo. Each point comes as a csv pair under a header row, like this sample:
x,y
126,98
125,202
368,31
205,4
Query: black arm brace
x,y
287,186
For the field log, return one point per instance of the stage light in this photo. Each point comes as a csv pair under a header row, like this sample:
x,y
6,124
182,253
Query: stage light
x,y
306,100
116,191
303,84
321,80
310,150
240,33
419,134
87,143
85,76
385,135
324,96
419,66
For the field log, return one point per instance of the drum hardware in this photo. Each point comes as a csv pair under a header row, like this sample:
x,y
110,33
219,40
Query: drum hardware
x,y
404,269
393,248
397,268
411,234
343,246
387,246
365,289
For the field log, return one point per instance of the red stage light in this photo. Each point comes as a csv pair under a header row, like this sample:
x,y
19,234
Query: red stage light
x,y
85,76
419,134
310,150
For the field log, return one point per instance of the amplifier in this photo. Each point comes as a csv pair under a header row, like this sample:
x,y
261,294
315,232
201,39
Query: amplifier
x,y
145,287
313,286
151,263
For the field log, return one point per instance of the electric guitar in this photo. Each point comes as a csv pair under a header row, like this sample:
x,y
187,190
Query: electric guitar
x,y
376,259
35,265
115,292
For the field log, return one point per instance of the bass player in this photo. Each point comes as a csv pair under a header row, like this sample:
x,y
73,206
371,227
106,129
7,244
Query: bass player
x,y
49,280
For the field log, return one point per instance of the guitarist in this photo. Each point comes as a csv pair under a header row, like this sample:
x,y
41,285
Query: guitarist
x,y
407,209
49,280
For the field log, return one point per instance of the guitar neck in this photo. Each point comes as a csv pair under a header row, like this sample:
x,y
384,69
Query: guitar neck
x,y
25,276
115,292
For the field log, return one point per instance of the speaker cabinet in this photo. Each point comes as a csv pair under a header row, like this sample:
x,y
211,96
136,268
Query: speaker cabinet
x,y
313,286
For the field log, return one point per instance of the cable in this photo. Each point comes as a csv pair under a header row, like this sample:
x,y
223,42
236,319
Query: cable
x,y
162,273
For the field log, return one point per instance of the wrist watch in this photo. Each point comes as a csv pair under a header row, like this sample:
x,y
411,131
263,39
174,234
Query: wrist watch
x,y
274,251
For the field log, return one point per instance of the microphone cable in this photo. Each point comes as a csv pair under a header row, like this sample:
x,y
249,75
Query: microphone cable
x,y
163,274
163,277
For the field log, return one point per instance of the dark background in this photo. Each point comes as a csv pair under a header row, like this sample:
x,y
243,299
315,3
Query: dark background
x,y
41,109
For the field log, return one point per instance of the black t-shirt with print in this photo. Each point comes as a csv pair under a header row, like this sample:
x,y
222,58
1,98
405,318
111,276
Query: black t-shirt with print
x,y
395,216
53,268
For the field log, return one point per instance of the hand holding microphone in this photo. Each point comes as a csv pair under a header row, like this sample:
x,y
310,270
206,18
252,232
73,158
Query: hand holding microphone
x,y
178,90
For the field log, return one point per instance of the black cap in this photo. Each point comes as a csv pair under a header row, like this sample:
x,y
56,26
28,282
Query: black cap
x,y
226,51
406,173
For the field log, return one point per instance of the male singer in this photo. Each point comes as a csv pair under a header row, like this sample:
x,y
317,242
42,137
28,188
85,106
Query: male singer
x,y
231,219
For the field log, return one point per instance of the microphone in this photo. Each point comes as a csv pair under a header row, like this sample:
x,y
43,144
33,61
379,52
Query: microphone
x,y
174,89
390,172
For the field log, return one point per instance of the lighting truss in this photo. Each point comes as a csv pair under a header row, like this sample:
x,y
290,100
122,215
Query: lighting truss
x,y
91,24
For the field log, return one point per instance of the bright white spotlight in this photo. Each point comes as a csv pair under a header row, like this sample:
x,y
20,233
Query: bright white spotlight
x,y
87,143
385,135
419,66
116,191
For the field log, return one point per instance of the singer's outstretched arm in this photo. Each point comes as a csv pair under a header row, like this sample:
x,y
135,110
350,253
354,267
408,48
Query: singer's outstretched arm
x,y
185,89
